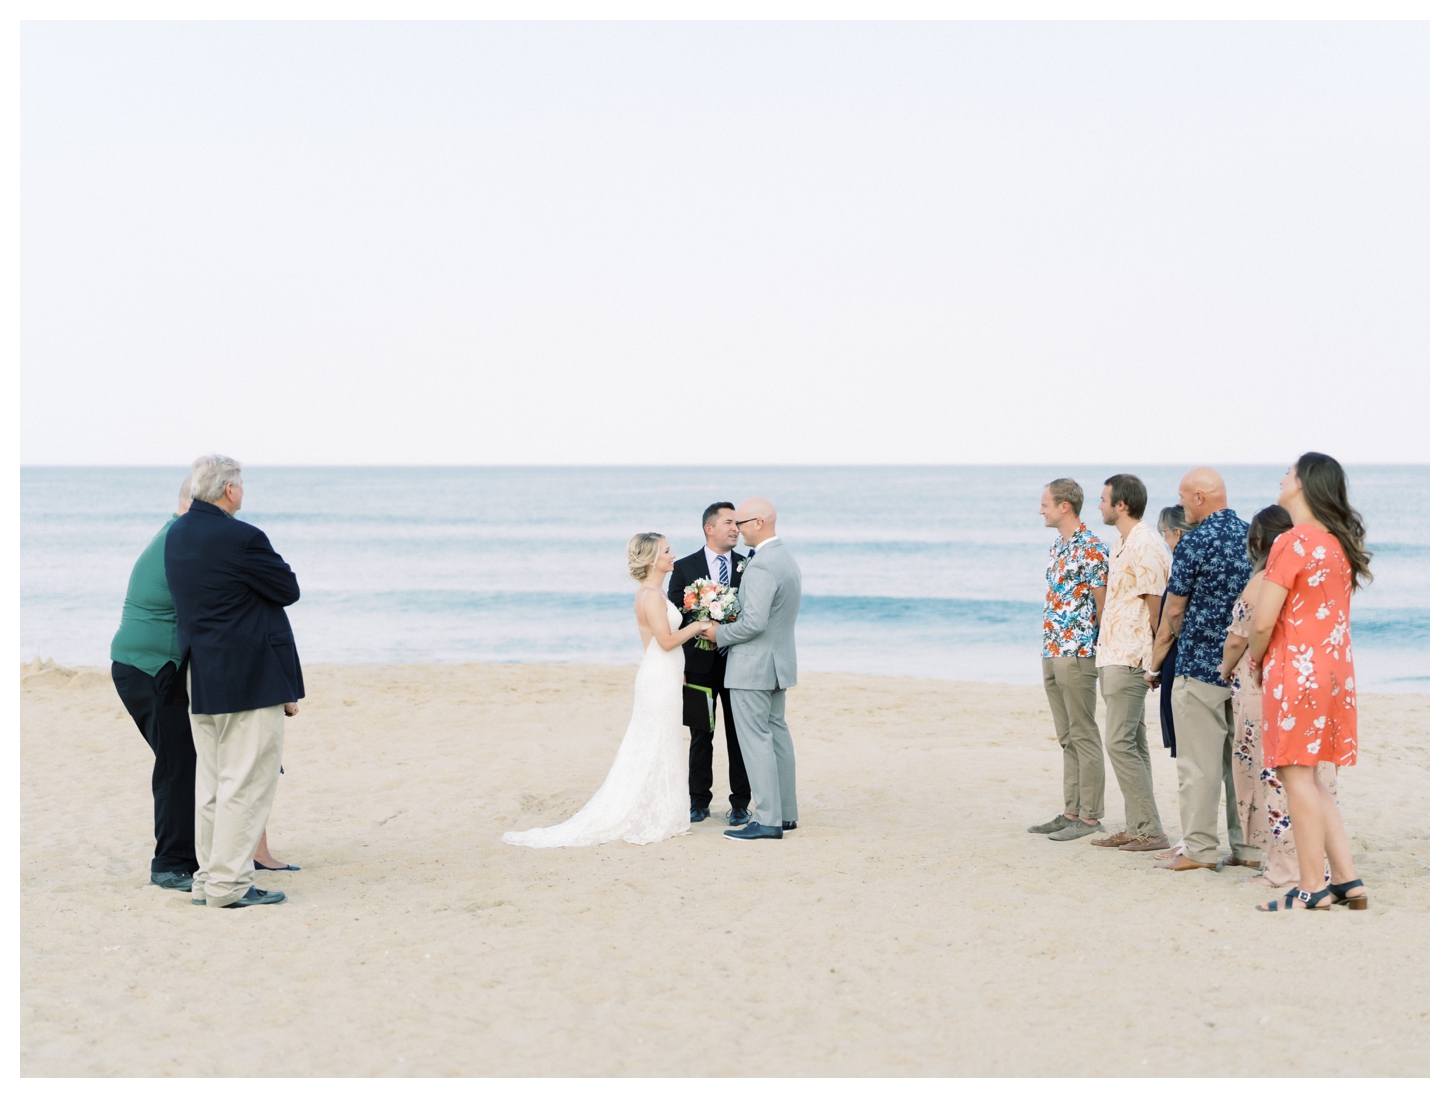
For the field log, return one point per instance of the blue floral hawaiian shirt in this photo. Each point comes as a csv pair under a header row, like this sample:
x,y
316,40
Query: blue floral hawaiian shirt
x,y
1212,568
1070,618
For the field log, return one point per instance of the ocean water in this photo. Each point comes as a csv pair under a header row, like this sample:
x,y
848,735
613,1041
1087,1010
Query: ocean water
x,y
930,571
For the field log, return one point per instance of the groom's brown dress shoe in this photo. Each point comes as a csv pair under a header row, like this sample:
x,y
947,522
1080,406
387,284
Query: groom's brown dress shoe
x,y
1233,859
1117,838
1182,862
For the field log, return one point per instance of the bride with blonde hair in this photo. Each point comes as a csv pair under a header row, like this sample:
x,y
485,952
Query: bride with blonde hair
x,y
646,796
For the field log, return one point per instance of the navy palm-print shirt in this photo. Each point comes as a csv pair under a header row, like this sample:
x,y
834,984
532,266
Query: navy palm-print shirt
x,y
1211,567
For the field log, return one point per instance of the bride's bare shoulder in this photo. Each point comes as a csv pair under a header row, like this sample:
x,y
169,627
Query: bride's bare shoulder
x,y
645,595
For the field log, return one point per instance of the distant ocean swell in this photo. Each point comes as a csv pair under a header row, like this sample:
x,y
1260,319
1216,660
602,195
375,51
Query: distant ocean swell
x,y
934,572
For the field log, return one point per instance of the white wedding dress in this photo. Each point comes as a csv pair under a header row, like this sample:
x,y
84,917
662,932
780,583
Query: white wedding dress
x,y
646,797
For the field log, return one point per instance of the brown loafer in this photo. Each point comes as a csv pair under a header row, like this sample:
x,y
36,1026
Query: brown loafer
x,y
1159,843
1117,838
1232,860
1183,861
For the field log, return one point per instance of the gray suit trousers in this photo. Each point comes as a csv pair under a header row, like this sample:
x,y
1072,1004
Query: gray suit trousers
x,y
768,752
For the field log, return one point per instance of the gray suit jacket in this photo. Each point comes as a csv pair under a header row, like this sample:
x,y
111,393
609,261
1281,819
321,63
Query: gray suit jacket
x,y
762,641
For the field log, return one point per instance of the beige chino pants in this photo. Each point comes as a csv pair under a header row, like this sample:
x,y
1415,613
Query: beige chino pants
x,y
238,757
1071,683
1202,718
1124,692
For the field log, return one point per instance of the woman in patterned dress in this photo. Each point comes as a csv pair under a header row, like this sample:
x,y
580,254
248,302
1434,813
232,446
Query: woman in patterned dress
x,y
1260,795
1299,640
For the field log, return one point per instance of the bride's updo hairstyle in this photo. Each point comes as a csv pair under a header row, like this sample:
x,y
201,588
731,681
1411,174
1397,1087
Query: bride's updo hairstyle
x,y
643,549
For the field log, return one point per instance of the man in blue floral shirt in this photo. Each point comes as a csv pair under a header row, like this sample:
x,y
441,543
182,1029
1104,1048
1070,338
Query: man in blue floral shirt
x,y
1210,570
1077,577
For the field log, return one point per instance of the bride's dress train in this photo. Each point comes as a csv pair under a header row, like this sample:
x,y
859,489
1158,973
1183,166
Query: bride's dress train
x,y
646,796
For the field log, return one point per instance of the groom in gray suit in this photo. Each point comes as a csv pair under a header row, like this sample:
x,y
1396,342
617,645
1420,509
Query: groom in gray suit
x,y
762,668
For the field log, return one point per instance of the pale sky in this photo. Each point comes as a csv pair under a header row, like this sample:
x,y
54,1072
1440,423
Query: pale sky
x,y
704,243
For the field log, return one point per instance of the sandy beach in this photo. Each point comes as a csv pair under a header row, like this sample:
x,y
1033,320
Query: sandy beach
x,y
910,927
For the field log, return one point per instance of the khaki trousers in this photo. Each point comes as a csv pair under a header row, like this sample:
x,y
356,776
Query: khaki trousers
x,y
1124,692
238,757
1071,683
1202,718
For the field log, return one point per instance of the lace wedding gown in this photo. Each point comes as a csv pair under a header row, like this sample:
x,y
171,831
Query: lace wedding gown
x,y
646,796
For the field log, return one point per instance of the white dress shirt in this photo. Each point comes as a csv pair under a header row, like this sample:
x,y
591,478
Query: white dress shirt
x,y
712,566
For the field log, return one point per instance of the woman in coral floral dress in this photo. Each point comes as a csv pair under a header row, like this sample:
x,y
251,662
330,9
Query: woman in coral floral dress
x,y
1299,639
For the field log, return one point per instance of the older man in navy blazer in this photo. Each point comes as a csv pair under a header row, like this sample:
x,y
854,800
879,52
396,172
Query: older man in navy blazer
x,y
242,673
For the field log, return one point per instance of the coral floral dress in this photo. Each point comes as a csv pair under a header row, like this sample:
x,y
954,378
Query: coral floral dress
x,y
1309,705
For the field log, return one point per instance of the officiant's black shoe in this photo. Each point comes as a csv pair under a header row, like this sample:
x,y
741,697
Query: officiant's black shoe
x,y
739,817
756,831
255,896
699,815
787,825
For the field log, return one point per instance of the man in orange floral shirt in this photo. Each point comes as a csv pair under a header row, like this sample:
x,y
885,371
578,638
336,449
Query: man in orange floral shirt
x,y
1076,575
1138,570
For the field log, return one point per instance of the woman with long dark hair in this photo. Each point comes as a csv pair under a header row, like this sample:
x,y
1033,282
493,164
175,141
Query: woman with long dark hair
x,y
1299,641
1263,813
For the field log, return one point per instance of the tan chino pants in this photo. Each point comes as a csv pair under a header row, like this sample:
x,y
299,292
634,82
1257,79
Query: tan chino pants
x,y
1124,692
238,757
1071,683
1202,718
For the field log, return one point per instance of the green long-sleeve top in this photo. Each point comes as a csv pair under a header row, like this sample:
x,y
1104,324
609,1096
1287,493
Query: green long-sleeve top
x,y
147,637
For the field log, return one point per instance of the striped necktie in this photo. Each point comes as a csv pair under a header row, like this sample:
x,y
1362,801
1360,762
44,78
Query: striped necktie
x,y
724,571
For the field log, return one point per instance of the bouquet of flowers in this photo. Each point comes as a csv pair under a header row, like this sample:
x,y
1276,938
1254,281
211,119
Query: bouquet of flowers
x,y
708,600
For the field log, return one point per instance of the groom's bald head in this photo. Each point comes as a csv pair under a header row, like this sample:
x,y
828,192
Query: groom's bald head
x,y
755,518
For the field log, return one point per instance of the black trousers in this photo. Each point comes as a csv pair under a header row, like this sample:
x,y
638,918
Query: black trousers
x,y
159,706
699,707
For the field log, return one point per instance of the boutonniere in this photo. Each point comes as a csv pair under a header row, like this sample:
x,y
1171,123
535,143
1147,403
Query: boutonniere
x,y
741,567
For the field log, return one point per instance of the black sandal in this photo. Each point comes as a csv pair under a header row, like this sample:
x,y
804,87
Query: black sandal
x,y
1354,903
1307,900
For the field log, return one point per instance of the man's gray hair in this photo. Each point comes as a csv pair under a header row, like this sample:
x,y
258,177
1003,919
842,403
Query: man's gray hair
x,y
210,476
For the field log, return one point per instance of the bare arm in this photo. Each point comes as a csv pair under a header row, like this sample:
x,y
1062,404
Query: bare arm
x,y
650,611
1100,595
1234,645
1172,626
1154,603
1266,613
1233,650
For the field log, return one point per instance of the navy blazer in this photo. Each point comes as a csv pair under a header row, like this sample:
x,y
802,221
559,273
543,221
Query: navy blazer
x,y
700,662
229,586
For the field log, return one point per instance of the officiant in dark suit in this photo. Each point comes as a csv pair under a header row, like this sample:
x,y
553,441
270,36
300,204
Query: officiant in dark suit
x,y
705,670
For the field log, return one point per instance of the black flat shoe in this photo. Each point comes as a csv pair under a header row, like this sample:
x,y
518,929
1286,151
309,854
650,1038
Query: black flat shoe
x,y
176,881
739,817
788,825
699,815
755,831
275,868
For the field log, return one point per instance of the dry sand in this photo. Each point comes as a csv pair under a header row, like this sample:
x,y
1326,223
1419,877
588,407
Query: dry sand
x,y
910,927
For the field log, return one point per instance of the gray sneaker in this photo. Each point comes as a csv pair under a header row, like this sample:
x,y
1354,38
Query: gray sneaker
x,y
176,881
1075,829
1055,824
